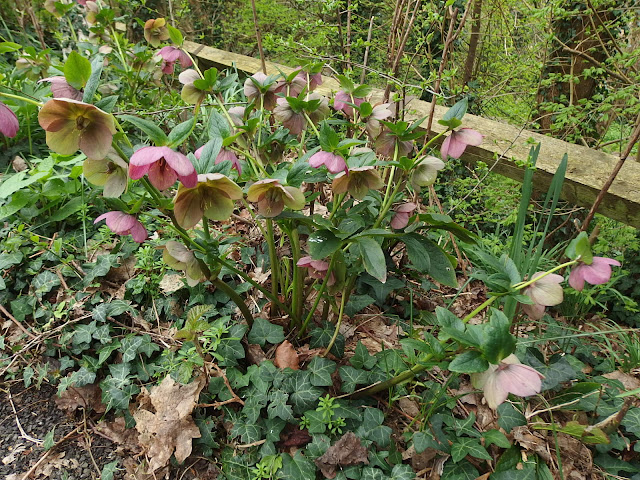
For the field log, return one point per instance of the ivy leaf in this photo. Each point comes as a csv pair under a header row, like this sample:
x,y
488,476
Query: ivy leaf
x,y
496,437
372,428
111,309
320,338
297,467
248,432
321,370
129,347
44,282
362,359
303,394
509,417
468,446
459,471
278,407
351,377
264,331
108,470
84,333
402,472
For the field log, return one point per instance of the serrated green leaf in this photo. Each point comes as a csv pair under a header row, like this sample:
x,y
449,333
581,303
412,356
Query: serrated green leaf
x,y
373,258
469,362
496,437
322,243
264,331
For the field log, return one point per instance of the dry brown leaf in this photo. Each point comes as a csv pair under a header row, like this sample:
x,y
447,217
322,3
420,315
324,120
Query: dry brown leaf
x,y
171,283
117,432
346,451
169,427
286,356
87,397
55,461
629,381
294,437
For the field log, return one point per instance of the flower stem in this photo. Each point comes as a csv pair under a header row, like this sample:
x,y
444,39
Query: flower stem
x,y
311,124
235,298
298,278
345,292
21,98
273,258
317,300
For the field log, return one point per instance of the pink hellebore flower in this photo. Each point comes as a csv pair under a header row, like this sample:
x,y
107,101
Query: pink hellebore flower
x,y
401,215
341,100
597,273
253,93
124,224
510,376
164,166
224,155
372,122
179,257
171,55
456,143
292,88
358,181
61,88
8,121
73,125
545,292
386,145
334,162
317,269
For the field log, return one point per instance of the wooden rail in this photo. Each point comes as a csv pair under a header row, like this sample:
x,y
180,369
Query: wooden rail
x,y
504,145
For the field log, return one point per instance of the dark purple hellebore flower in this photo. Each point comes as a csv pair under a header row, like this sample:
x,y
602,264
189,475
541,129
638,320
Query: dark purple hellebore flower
x,y
164,166
171,55
224,155
456,143
61,88
341,99
122,223
8,121
597,273
334,162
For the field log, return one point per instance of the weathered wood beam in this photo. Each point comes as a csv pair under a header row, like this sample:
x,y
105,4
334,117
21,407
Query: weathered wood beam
x,y
504,145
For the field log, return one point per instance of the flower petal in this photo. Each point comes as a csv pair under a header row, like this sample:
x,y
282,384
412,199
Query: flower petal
x,y
8,121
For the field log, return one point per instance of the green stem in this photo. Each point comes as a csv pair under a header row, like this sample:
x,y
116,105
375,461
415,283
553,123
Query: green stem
x,y
317,300
22,99
255,164
339,321
298,278
273,258
337,201
311,124
522,285
73,31
235,298
425,146
120,53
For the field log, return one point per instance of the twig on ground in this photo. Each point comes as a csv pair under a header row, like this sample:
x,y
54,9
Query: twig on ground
x,y
23,434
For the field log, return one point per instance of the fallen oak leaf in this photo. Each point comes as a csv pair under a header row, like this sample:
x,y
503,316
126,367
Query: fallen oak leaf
x,y
346,451
170,429
286,356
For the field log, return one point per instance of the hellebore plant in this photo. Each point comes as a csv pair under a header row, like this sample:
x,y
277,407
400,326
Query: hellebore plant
x,y
170,55
352,217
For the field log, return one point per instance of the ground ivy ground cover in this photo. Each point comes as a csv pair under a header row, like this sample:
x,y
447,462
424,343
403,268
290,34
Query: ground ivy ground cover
x,y
248,301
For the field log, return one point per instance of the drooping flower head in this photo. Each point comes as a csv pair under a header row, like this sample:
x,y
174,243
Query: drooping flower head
x,y
109,172
357,182
8,121
190,93
342,100
213,196
426,172
60,88
386,144
291,111
292,88
225,155
164,166
317,269
258,85
456,143
372,122
272,197
122,223
156,31
546,292
179,257
335,163
170,55
401,215
510,376
73,125
597,273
